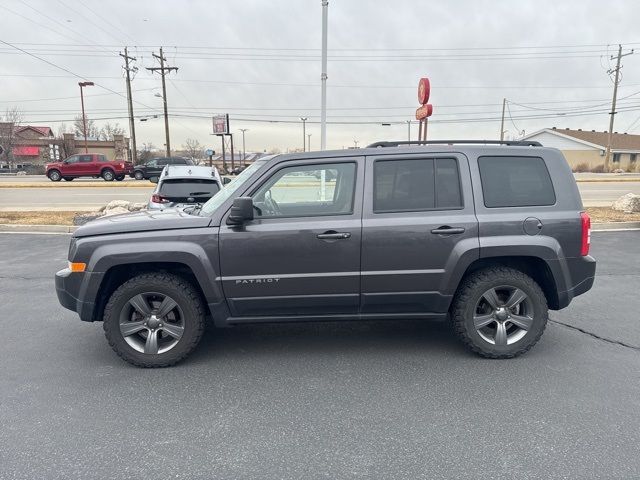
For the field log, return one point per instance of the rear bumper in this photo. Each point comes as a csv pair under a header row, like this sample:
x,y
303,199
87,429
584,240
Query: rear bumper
x,y
583,271
71,288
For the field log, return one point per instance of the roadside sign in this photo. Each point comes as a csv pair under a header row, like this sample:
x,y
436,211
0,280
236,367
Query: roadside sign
x,y
209,152
221,125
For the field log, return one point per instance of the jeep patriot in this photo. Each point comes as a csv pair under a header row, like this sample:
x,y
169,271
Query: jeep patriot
x,y
486,235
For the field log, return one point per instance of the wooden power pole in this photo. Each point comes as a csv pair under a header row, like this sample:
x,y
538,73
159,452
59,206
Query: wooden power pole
x,y
132,124
163,72
616,71
504,104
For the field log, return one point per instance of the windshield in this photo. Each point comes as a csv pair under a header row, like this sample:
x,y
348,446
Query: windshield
x,y
187,187
229,189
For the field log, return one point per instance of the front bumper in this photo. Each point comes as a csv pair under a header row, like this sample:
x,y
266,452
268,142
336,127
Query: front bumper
x,y
76,292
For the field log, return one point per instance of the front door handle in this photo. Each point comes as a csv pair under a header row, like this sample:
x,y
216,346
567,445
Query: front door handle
x,y
333,235
447,230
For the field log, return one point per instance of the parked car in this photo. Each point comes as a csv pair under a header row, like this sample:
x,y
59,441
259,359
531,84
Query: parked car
x,y
487,236
88,165
154,167
180,186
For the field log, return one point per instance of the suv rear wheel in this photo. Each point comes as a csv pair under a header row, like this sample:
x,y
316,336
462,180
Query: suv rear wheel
x,y
108,175
499,312
54,175
138,175
154,320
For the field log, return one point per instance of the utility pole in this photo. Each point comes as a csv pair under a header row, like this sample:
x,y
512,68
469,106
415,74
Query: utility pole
x,y
304,133
132,123
84,117
308,142
323,77
504,104
244,151
607,157
163,71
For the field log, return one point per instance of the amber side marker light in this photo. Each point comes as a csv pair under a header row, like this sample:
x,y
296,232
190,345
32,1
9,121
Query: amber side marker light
x,y
77,267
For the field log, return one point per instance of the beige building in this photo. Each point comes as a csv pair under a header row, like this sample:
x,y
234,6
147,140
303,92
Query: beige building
x,y
585,149
34,146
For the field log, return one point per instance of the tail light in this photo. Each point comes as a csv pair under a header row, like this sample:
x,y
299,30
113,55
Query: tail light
x,y
155,198
586,233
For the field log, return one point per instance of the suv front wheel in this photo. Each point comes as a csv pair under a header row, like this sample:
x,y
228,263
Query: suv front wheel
x,y
108,175
138,175
154,320
499,312
54,175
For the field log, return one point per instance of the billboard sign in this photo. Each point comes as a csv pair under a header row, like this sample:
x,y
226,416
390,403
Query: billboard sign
x,y
221,125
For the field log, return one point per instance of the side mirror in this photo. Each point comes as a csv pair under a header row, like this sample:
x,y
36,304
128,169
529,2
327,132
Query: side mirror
x,y
241,211
226,180
153,179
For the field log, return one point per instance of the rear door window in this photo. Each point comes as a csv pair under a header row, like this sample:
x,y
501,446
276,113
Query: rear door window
x,y
180,189
416,184
86,158
513,181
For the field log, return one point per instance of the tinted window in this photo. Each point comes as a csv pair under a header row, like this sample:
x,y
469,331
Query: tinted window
x,y
86,158
102,158
189,187
162,162
73,159
301,191
413,185
515,182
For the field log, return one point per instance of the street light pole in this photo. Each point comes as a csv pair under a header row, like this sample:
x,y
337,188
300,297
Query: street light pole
x,y
323,77
304,133
244,152
84,118
409,130
308,142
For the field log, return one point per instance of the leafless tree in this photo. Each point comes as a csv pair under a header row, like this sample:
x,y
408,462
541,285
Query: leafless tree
x,y
11,119
108,131
92,129
193,148
146,153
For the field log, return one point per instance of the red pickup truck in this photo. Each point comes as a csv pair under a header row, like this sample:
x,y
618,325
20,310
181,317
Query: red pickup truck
x,y
88,165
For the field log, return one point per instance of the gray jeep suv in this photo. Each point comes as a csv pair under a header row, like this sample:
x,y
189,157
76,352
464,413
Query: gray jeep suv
x,y
486,235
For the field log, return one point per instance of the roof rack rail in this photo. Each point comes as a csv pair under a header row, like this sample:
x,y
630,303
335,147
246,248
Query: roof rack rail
x,y
512,143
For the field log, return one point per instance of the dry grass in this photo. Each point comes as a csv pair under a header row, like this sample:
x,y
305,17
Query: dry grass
x,y
605,214
37,218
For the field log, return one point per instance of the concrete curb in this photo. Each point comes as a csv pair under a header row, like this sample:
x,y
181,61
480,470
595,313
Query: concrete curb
x,y
17,228
78,185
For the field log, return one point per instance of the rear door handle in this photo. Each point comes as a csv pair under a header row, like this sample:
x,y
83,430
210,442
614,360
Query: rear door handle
x,y
332,235
447,230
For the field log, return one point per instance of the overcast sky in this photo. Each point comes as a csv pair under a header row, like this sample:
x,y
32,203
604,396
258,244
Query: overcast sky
x,y
260,60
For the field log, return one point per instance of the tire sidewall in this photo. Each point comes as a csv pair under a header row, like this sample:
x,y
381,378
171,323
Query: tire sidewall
x,y
108,175
538,303
54,175
112,323
138,175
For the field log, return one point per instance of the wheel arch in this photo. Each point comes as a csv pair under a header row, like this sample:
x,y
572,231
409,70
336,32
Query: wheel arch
x,y
535,267
120,273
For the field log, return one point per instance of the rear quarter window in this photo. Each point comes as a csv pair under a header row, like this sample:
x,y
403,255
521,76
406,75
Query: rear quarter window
x,y
515,181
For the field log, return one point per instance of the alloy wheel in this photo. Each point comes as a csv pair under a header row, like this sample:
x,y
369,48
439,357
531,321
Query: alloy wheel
x,y
152,323
503,315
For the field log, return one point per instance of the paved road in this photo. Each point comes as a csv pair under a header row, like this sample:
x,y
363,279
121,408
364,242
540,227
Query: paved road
x,y
594,194
68,198
397,400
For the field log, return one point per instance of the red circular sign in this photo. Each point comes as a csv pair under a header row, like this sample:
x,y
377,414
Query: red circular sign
x,y
424,89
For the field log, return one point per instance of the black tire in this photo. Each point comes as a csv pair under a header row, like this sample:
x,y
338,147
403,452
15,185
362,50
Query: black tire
x,y
108,175
120,178
472,291
178,289
68,179
54,175
138,175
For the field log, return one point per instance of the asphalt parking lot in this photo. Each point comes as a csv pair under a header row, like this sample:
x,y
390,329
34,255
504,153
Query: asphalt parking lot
x,y
375,400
